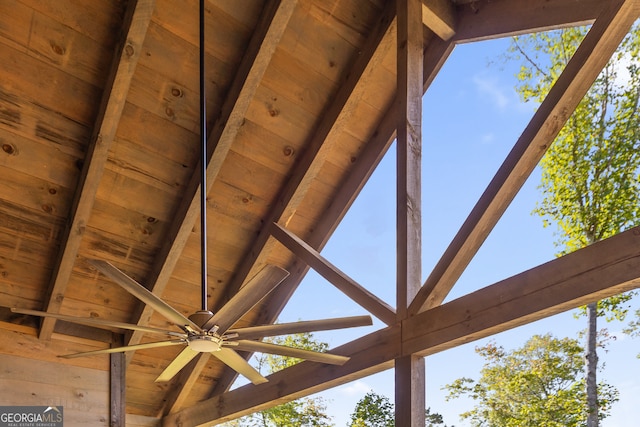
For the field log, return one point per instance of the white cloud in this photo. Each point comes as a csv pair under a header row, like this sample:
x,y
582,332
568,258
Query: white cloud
x,y
488,137
491,88
355,388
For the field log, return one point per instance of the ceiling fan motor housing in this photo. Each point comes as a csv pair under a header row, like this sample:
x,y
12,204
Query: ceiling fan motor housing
x,y
201,317
204,343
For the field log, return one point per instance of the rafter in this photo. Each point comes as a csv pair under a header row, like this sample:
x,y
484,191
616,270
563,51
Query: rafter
x,y
339,279
135,24
440,17
490,19
253,66
595,272
597,47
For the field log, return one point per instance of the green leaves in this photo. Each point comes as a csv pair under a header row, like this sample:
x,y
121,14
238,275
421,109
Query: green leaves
x,y
305,412
591,173
540,384
373,410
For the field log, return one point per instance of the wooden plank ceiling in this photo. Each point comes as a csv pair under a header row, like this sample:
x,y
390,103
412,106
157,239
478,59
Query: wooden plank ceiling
x,y
100,160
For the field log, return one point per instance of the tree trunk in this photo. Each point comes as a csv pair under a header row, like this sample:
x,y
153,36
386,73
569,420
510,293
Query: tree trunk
x,y
592,365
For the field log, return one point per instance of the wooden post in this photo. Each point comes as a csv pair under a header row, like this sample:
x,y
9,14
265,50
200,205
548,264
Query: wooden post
x,y
117,387
409,370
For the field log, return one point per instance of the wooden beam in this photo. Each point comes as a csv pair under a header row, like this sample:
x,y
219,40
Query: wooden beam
x,y
117,388
257,57
590,274
440,17
410,393
491,19
435,56
409,370
334,275
409,156
601,270
135,24
592,55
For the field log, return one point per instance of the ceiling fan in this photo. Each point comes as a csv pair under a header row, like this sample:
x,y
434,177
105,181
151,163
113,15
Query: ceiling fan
x,y
205,331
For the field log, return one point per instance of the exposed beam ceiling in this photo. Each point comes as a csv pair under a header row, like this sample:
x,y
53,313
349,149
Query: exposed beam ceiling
x,y
608,29
304,202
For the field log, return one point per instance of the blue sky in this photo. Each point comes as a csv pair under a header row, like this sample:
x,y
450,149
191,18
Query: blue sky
x,y
472,118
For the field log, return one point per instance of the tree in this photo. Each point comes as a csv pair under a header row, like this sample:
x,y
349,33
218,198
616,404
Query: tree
x,y
375,410
590,175
433,419
538,385
305,412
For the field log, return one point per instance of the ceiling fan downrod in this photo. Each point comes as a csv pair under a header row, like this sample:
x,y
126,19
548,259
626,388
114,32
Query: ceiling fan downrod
x,y
203,166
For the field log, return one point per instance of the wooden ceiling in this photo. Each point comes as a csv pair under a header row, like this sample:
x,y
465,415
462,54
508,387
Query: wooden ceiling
x,y
99,125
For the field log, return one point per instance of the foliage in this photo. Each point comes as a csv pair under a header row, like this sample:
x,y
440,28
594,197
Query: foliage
x,y
591,173
375,410
305,412
273,363
433,419
538,385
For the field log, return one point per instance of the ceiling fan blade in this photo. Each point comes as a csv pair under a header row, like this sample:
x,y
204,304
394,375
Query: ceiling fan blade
x,y
248,296
240,365
143,294
177,364
314,356
90,321
127,348
256,332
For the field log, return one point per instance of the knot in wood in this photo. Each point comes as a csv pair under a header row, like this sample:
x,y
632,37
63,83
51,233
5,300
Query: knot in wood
x,y
129,50
57,49
9,149
288,151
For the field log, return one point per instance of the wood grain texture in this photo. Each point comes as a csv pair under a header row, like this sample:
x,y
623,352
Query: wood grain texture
x,y
118,83
409,369
303,103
